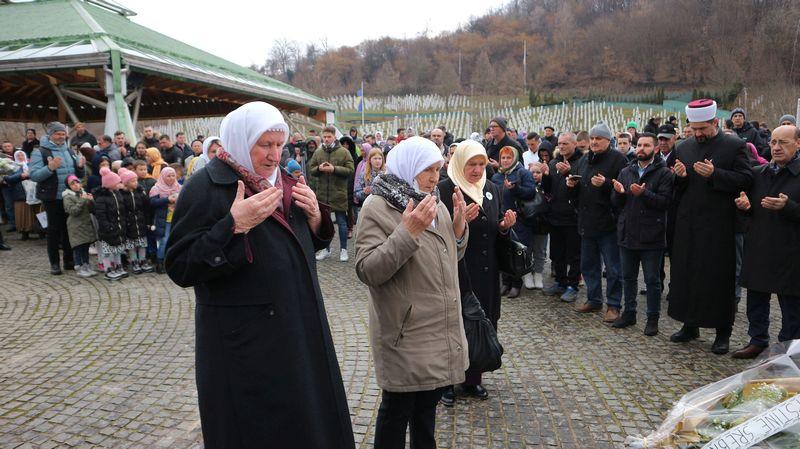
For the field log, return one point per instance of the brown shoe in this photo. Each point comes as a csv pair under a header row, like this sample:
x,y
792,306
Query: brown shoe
x,y
748,352
611,315
588,308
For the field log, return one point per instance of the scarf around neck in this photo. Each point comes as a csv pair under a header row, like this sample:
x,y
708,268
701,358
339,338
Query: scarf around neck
x,y
253,182
397,192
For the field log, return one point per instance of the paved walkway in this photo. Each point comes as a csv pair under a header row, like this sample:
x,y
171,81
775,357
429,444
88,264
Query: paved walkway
x,y
88,363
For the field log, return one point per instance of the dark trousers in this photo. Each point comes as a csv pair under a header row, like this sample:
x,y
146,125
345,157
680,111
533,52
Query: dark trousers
x,y
8,204
81,253
651,261
57,233
398,411
758,316
565,253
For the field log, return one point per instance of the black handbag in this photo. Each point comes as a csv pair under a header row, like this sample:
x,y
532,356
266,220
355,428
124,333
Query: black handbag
x,y
485,350
513,258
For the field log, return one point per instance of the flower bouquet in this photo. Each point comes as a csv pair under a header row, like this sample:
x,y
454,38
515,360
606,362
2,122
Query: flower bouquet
x,y
7,166
759,407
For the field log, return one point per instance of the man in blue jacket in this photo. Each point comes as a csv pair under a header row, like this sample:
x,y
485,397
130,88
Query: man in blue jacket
x,y
50,166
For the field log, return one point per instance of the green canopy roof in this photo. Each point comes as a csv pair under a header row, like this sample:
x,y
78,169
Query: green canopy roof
x,y
48,34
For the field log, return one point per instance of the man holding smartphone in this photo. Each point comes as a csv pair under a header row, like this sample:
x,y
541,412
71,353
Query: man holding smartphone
x,y
596,222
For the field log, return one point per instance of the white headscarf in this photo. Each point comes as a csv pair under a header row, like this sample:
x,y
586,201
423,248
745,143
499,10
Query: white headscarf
x,y
206,144
24,163
242,128
411,157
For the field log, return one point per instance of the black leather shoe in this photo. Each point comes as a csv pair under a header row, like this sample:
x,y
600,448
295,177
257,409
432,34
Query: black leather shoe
x,y
625,320
476,390
513,293
687,333
55,269
4,247
448,397
748,352
651,328
721,345
160,267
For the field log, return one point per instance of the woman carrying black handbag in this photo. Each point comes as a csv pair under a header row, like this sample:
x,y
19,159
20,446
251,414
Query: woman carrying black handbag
x,y
518,193
467,170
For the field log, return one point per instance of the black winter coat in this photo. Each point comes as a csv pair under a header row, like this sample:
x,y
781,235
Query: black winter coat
x,y
267,374
481,255
773,242
703,258
109,209
137,205
596,216
562,208
642,222
749,133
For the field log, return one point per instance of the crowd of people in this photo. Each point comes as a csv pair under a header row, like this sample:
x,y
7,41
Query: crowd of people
x,y
719,199
89,195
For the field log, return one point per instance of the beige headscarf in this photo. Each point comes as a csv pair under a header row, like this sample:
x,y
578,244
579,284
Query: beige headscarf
x,y
465,151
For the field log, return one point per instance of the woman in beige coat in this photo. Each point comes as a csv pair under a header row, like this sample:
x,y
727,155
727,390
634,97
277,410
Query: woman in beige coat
x,y
407,252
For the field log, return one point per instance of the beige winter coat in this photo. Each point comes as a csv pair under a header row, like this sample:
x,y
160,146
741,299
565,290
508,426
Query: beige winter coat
x,y
415,325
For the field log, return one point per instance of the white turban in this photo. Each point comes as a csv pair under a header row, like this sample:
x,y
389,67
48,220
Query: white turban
x,y
241,129
701,110
411,157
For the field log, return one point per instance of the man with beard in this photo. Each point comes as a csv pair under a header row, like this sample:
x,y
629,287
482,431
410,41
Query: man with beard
x,y
643,193
711,169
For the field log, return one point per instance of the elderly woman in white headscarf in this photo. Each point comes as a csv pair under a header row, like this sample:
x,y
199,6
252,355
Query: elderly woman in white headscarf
x,y
210,147
407,252
244,235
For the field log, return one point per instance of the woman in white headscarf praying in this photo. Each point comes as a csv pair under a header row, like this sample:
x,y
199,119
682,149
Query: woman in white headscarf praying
x,y
407,252
244,234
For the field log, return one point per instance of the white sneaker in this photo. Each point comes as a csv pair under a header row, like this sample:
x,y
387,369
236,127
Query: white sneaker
x,y
343,257
527,280
323,254
81,271
538,283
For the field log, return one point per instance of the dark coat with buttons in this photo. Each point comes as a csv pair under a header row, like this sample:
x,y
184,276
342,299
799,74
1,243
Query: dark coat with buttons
x,y
596,216
642,222
703,255
773,242
481,255
562,207
267,374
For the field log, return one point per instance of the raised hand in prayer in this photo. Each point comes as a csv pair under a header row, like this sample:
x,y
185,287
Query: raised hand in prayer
x,y
459,213
637,189
306,199
704,169
416,220
773,203
249,213
742,202
679,169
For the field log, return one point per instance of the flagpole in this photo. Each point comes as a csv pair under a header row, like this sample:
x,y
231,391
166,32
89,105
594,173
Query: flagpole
x,y
524,64
363,106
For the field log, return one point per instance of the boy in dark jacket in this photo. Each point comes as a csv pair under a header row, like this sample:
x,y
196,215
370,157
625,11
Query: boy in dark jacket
x,y
642,193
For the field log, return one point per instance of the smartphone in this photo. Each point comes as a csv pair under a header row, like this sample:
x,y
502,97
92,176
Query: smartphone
x,y
576,177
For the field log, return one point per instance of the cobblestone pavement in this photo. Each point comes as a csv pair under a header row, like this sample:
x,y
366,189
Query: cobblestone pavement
x,y
88,363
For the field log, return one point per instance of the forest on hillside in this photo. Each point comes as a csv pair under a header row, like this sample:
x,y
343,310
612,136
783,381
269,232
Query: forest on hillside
x,y
602,45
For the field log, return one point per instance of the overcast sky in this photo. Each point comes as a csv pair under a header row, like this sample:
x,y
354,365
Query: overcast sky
x,y
243,31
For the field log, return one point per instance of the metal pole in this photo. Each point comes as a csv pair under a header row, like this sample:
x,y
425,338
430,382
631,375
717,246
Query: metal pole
x,y
363,106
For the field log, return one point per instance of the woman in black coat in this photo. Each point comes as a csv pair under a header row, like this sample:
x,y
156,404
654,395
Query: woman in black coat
x,y
267,374
467,170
